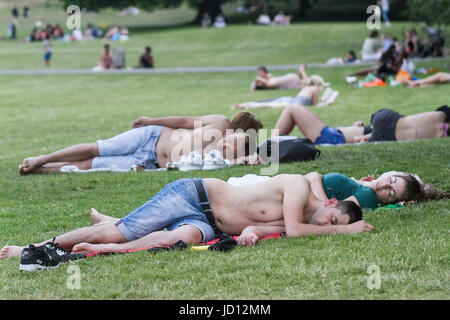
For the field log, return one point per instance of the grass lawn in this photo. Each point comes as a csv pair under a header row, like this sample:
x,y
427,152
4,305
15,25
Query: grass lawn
x,y
41,114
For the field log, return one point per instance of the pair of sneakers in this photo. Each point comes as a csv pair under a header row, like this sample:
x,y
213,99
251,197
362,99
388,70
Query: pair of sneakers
x,y
210,161
47,256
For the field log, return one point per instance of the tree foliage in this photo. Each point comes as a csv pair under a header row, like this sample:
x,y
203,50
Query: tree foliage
x,y
429,11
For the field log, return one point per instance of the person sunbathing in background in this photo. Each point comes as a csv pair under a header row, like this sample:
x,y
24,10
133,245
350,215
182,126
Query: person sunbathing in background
x,y
266,80
386,125
438,78
308,96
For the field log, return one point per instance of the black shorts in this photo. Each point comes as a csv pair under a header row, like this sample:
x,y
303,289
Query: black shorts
x,y
383,124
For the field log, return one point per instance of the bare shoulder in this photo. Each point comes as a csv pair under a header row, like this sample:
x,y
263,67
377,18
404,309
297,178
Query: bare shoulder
x,y
291,180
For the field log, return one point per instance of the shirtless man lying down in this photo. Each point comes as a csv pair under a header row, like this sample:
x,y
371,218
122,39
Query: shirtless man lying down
x,y
152,143
198,210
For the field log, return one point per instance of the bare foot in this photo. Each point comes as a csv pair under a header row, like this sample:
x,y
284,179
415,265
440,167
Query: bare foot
x,y
97,217
236,106
86,248
29,165
10,251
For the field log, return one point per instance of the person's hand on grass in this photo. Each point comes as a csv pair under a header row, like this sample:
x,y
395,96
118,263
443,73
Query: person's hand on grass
x,y
358,227
253,160
247,237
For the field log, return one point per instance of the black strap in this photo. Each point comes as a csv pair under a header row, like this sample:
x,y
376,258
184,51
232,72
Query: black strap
x,y
204,203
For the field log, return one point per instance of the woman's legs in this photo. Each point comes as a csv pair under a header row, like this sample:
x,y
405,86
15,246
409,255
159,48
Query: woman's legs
x,y
438,78
309,123
80,155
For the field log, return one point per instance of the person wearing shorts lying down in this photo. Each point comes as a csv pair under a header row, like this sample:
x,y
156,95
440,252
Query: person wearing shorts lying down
x,y
152,143
266,80
308,96
389,125
198,210
438,78
386,125
315,129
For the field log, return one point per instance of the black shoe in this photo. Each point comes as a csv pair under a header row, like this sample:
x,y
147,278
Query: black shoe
x,y
60,254
36,258
180,245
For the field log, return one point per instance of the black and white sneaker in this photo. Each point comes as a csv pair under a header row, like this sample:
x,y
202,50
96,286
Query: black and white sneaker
x,y
37,258
58,253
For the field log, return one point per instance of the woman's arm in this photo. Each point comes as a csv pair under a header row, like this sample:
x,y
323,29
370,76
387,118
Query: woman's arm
x,y
315,182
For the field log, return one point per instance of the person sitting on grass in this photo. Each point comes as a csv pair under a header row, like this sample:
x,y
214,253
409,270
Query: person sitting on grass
x,y
386,125
106,60
152,143
146,59
266,80
438,78
308,96
198,210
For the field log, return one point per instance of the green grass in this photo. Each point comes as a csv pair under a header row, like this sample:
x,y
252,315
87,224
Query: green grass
x,y
41,114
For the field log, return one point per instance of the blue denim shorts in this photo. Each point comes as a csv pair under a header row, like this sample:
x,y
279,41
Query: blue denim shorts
x,y
136,147
302,100
330,136
175,205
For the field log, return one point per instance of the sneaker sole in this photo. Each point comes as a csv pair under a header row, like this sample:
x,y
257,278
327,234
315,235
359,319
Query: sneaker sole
x,y
35,267
190,168
214,166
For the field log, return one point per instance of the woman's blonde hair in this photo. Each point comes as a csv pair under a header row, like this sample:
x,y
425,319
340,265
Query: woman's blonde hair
x,y
316,80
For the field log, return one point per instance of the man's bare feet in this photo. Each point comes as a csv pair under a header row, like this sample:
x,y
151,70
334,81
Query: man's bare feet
x,y
10,251
97,217
86,248
236,106
29,165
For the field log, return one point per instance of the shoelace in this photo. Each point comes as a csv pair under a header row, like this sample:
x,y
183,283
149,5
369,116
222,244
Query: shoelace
x,y
59,250
42,252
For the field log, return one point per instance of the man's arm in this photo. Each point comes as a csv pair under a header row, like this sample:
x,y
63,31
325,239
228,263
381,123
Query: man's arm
x,y
183,122
253,234
296,194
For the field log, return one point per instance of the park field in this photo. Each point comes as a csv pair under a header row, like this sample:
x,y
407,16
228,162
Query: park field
x,y
41,114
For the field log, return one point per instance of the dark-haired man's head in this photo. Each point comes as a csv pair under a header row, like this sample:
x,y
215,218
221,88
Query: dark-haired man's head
x,y
335,212
262,71
245,121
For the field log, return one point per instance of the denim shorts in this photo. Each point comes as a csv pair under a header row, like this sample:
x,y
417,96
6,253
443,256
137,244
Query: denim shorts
x,y
330,136
175,205
136,147
302,100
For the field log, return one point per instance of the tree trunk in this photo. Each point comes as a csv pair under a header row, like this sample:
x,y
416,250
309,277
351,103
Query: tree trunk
x,y
303,6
